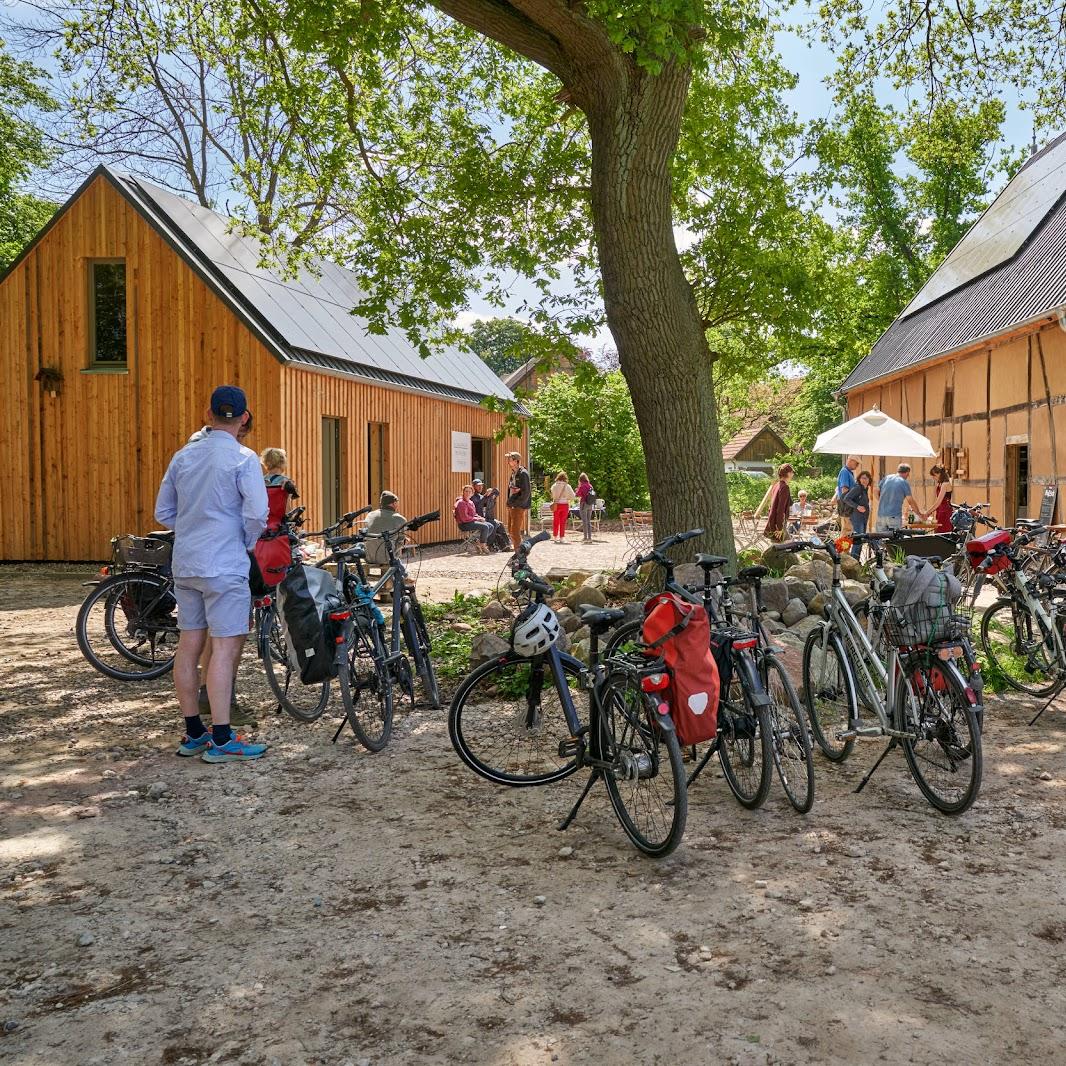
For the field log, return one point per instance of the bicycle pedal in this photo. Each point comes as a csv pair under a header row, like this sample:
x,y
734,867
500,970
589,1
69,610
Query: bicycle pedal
x,y
861,732
570,748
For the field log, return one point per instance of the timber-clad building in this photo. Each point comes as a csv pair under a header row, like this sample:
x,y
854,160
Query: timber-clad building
x,y
977,360
133,303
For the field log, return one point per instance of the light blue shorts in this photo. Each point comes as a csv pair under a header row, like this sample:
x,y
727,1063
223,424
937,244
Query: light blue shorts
x,y
222,605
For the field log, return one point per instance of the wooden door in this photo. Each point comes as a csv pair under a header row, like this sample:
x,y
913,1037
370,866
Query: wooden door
x,y
1016,484
378,460
331,470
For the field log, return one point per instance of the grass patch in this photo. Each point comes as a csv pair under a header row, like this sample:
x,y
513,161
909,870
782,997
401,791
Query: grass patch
x,y
451,646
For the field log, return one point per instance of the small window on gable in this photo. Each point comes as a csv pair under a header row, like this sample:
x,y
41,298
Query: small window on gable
x,y
107,312
949,402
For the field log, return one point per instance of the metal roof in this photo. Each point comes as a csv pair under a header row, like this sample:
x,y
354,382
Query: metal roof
x,y
309,314
1025,287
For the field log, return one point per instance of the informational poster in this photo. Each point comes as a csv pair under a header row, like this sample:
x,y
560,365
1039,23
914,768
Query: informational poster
x,y
461,453
1047,508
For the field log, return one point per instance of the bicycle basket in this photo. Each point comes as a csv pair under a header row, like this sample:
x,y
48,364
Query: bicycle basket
x,y
920,624
143,551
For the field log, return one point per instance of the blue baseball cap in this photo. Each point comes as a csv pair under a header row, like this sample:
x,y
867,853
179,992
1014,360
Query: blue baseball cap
x,y
227,401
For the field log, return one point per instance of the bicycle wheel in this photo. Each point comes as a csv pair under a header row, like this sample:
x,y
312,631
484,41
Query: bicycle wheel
x,y
828,692
625,637
366,688
744,747
945,755
127,628
645,777
506,721
790,738
1012,639
304,702
416,637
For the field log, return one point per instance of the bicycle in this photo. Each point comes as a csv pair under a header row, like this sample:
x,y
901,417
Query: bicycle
x,y
514,722
1022,632
408,624
917,693
743,743
127,627
790,734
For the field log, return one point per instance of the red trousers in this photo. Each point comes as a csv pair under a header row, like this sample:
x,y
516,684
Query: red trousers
x,y
560,514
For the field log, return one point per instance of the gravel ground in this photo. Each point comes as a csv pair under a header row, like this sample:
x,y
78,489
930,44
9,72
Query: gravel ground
x,y
328,906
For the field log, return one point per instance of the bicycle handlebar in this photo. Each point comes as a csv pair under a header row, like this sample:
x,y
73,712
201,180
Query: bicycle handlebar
x,y
657,554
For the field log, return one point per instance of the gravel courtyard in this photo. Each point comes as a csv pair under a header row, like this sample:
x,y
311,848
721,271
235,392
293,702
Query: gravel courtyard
x,y
325,906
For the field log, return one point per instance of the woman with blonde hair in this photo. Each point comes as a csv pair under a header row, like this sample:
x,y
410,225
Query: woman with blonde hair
x,y
562,495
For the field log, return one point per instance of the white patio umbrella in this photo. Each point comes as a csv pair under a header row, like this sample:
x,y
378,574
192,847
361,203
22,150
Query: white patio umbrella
x,y
874,433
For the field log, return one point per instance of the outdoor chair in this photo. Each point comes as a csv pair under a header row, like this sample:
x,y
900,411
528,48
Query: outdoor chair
x,y
544,515
638,529
468,545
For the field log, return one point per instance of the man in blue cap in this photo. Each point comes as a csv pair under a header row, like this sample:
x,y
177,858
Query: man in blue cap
x,y
214,499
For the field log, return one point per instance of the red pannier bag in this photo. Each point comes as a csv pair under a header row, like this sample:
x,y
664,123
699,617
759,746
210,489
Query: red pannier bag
x,y
679,632
979,548
272,556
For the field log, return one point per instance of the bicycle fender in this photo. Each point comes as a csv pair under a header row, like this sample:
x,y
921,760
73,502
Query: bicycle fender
x,y
665,722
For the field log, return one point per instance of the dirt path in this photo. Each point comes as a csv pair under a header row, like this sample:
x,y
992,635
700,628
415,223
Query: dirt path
x,y
327,906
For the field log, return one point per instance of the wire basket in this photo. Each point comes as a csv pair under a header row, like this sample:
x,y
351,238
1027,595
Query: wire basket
x,y
920,624
143,551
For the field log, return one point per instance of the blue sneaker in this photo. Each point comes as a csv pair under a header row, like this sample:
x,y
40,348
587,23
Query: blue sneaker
x,y
235,750
195,747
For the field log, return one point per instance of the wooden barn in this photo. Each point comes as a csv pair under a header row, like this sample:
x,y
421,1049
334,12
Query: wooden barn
x,y
754,448
132,304
977,360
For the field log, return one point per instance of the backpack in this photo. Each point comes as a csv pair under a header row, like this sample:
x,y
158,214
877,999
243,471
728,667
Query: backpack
x,y
307,596
498,539
679,632
271,560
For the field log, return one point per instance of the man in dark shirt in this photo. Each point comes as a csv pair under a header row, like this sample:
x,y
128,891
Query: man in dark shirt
x,y
519,497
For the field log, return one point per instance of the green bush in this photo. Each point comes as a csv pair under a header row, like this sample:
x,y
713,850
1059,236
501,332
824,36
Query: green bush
x,y
746,493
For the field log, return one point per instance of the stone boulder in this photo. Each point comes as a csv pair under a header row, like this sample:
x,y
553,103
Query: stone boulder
x,y
559,574
802,590
494,611
794,610
581,636
850,566
567,619
487,646
818,603
634,612
804,626
811,570
775,594
580,650
778,560
773,626
596,581
618,587
583,594
855,591
773,616
691,574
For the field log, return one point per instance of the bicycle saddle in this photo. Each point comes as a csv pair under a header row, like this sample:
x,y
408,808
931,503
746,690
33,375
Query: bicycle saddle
x,y
163,534
710,562
599,617
753,573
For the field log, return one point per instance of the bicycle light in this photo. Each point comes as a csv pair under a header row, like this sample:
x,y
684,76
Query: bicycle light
x,y
655,682
745,643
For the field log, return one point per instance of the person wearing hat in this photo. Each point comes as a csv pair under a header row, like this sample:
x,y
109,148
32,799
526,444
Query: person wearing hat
x,y
214,499
484,501
384,520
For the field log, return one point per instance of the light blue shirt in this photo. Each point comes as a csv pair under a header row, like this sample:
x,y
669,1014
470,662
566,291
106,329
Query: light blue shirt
x,y
894,490
214,499
845,482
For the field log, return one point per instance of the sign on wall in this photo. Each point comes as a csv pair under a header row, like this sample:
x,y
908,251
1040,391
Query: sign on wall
x,y
461,453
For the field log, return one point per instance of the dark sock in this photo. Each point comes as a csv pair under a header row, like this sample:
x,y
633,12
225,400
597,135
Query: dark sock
x,y
194,728
221,734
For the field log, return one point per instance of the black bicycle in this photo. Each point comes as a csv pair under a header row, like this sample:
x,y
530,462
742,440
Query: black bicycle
x,y
127,628
408,631
743,743
514,721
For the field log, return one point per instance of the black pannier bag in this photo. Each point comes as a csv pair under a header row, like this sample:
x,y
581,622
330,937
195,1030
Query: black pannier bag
x,y
307,596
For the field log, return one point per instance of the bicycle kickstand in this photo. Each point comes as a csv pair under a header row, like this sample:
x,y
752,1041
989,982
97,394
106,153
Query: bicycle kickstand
x,y
711,749
565,823
862,784
1045,707
340,728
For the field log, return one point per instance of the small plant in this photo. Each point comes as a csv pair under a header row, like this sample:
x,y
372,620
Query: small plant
x,y
452,646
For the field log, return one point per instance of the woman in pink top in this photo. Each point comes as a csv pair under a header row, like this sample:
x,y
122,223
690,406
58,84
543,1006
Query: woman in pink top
x,y
467,518
586,501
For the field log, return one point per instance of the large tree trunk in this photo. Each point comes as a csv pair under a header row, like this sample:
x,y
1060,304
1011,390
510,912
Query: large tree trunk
x,y
634,120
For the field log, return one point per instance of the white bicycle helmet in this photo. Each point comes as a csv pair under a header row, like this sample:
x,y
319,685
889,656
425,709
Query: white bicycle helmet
x,y
536,629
